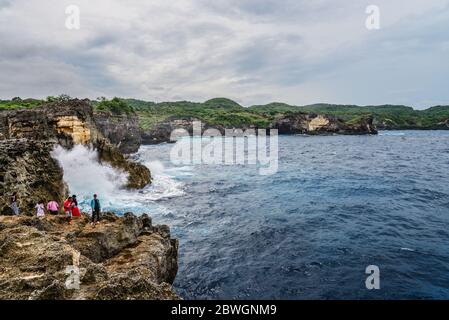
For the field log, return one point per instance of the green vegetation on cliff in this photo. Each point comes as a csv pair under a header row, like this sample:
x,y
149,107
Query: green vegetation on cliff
x,y
115,106
218,111
228,113
18,103
222,111
385,116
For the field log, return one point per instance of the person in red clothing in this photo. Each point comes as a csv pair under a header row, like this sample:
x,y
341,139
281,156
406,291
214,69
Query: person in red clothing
x,y
75,210
68,207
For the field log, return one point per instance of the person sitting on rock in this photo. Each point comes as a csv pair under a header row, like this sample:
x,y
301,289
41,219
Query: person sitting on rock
x,y
13,205
96,207
53,207
40,209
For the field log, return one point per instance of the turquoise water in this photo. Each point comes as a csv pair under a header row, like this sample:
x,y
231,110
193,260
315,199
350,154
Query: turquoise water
x,y
336,205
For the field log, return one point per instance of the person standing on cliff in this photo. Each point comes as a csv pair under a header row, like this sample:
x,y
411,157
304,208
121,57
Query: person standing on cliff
x,y
75,210
53,207
96,207
40,208
13,205
68,206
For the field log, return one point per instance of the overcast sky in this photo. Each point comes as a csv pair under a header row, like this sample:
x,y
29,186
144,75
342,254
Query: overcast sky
x,y
252,51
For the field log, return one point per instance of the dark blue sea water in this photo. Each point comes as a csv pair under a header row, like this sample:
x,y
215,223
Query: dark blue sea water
x,y
336,205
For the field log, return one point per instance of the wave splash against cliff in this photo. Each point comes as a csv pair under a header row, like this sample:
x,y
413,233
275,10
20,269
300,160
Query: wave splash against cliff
x,y
85,175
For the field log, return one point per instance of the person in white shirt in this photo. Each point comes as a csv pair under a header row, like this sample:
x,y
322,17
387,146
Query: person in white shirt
x,y
40,209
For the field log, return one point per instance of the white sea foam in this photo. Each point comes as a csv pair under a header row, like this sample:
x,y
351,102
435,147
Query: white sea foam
x,y
392,133
163,186
85,176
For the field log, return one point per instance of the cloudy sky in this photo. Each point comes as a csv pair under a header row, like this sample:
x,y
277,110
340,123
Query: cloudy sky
x,y
252,51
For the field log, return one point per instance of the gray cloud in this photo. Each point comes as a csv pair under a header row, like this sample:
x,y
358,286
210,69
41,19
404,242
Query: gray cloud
x,y
4,4
253,51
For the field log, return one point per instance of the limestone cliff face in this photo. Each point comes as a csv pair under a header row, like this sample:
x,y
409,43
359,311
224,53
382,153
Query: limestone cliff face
x,y
163,130
318,123
69,123
121,130
61,122
72,126
297,123
121,258
303,123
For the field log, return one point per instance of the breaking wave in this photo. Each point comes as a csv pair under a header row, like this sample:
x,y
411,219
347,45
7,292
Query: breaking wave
x,y
86,176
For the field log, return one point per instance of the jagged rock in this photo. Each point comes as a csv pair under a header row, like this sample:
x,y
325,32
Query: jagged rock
x,y
128,287
295,123
139,175
149,251
35,253
135,260
163,130
106,240
65,123
122,130
27,167
55,291
305,123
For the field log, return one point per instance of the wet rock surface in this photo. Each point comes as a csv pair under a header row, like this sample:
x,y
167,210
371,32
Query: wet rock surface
x,y
119,258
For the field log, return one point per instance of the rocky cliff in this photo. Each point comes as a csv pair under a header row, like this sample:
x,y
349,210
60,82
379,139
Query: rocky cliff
x,y
27,167
388,124
122,130
305,123
120,258
162,131
295,123
68,123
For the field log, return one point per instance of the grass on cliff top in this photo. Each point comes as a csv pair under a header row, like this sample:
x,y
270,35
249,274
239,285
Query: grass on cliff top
x,y
18,103
219,111
396,116
115,106
225,112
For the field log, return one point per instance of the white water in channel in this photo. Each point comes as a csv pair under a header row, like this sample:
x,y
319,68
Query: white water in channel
x,y
85,176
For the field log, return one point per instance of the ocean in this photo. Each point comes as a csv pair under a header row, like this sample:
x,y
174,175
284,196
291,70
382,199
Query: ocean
x,y
336,205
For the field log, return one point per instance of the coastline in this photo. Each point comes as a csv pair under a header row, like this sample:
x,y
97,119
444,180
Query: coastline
x,y
114,248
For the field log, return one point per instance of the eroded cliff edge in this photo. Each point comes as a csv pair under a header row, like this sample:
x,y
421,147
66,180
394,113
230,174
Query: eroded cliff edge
x,y
122,130
27,137
120,258
294,123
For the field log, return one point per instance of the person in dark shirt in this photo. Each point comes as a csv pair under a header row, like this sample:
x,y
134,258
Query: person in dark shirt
x,y
96,208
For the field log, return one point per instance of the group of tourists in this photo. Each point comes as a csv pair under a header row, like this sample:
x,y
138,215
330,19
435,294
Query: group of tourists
x,y
70,207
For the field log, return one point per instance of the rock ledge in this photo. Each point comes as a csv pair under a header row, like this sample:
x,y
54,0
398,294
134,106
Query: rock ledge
x,y
120,258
